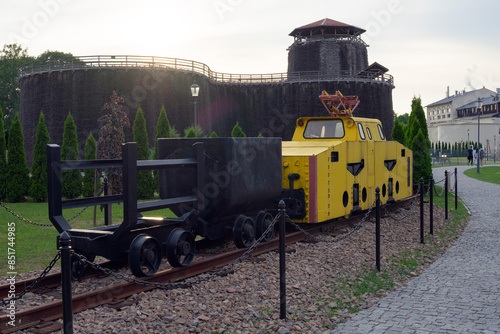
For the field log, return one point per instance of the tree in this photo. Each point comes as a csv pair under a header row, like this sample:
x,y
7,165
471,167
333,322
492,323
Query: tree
x,y
111,137
193,132
71,179
214,135
237,131
163,129
18,180
145,187
38,188
417,139
11,57
403,119
190,133
422,167
3,160
398,132
88,184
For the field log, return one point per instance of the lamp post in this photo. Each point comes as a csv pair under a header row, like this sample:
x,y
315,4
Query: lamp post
x,y
468,140
195,90
495,151
479,105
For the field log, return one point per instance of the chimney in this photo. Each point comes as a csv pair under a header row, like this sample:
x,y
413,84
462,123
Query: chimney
x,y
447,91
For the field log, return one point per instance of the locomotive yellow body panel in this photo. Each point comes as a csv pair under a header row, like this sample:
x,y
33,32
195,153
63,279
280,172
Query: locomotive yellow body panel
x,y
338,162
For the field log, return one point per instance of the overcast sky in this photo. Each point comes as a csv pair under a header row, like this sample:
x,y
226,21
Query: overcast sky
x,y
426,45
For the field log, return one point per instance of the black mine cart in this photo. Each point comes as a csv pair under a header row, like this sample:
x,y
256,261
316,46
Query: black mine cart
x,y
215,186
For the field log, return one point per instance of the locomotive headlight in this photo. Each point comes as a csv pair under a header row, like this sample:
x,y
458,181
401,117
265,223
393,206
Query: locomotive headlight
x,y
349,122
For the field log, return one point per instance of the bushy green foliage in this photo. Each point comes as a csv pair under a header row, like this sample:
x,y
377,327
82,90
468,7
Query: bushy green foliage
x,y
398,132
422,167
18,173
193,132
145,187
237,131
71,179
88,186
3,158
214,135
417,139
38,188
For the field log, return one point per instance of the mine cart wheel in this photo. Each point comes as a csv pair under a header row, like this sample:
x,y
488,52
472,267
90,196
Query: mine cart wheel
x,y
78,266
144,256
180,247
262,222
243,231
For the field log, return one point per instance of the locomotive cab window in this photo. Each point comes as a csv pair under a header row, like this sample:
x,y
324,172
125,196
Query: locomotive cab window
x,y
331,128
361,131
369,133
381,133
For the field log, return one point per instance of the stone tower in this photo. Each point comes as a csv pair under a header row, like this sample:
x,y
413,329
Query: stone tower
x,y
332,48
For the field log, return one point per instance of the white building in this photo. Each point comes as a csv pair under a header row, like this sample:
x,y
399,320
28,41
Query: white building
x,y
455,118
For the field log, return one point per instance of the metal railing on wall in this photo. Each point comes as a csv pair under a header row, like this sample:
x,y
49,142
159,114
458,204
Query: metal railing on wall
x,y
146,62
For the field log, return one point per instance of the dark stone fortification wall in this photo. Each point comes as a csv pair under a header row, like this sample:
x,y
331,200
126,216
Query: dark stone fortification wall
x,y
270,109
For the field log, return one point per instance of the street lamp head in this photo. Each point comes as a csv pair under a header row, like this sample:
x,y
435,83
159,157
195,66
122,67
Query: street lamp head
x,y
195,90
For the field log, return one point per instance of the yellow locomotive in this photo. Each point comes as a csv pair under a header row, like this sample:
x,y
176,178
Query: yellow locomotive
x,y
333,164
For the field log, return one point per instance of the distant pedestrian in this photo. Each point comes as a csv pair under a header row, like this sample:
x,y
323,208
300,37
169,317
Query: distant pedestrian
x,y
469,156
481,155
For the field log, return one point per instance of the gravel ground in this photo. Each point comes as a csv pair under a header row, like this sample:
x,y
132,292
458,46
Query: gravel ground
x,y
319,277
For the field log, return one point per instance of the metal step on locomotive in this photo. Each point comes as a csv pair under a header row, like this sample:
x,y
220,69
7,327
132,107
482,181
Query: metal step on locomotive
x,y
227,186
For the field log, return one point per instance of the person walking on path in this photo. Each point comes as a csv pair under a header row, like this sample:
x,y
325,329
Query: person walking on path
x,y
469,155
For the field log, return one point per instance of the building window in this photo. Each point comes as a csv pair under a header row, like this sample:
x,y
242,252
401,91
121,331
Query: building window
x,y
448,115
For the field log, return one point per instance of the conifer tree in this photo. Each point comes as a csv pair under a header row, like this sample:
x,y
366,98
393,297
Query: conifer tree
x,y
145,177
422,166
190,133
163,129
89,177
18,181
398,133
237,131
417,139
38,188
3,158
214,135
71,179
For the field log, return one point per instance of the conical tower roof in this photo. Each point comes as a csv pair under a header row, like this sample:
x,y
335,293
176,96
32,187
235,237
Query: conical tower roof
x,y
327,26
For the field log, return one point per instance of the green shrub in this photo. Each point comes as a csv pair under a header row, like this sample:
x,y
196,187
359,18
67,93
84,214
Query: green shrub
x,y
145,187
88,186
237,131
38,188
71,179
17,170
214,135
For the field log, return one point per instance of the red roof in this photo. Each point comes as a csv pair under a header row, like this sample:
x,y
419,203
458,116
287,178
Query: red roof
x,y
327,26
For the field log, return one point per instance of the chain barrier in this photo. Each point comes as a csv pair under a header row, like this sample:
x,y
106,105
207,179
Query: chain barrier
x,y
170,286
318,239
411,206
18,216
20,295
442,189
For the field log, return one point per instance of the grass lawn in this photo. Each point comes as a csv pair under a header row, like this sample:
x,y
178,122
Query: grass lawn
x,y
35,246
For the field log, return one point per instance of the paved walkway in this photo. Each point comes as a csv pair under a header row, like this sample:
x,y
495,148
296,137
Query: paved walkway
x,y
460,292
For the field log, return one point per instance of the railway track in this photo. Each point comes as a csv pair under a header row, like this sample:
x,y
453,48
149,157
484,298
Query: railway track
x,y
42,317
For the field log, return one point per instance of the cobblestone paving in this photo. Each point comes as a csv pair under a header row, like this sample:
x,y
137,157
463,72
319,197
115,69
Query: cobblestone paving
x,y
460,292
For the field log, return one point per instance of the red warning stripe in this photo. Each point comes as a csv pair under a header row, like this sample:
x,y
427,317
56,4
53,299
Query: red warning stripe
x,y
313,190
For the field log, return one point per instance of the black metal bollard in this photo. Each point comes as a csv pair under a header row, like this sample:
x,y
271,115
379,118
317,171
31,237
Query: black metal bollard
x,y
446,194
282,211
106,208
431,204
422,210
377,227
456,189
65,248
